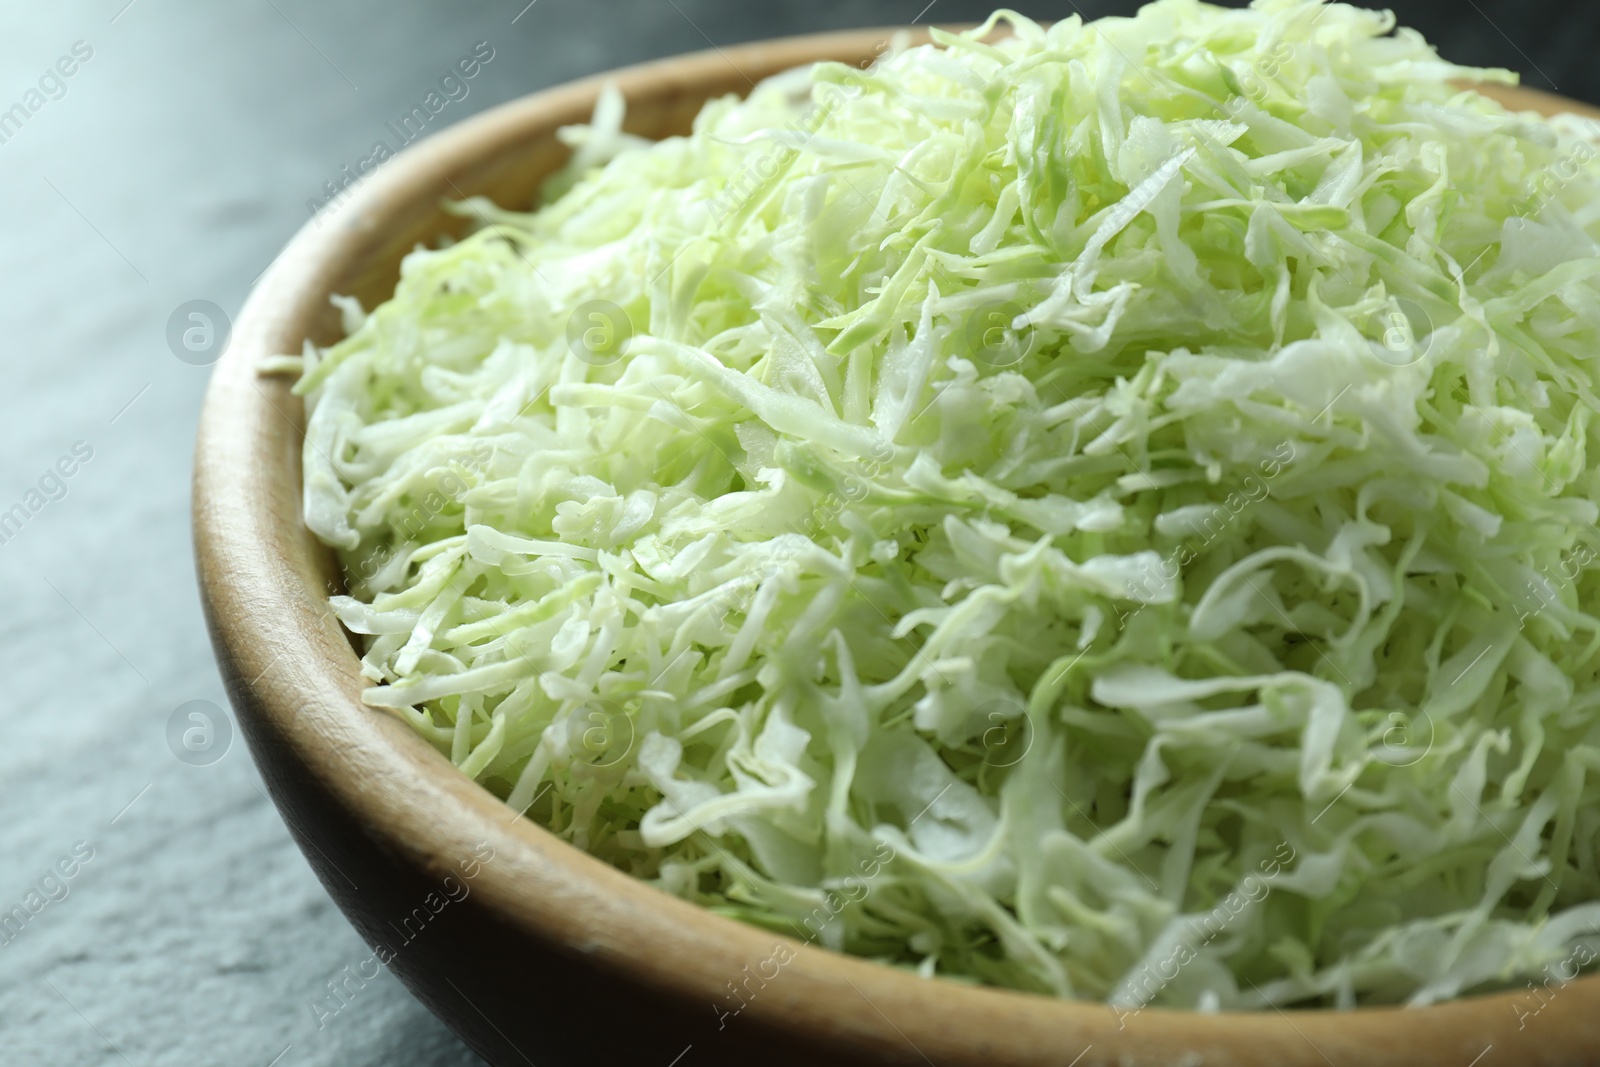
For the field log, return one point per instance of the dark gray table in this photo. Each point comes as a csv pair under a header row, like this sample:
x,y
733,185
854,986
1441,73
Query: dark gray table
x,y
170,166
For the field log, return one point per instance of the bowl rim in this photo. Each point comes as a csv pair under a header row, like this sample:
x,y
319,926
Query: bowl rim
x,y
290,665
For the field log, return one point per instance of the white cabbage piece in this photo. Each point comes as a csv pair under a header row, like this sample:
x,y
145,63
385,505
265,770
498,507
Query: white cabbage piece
x,y
1105,512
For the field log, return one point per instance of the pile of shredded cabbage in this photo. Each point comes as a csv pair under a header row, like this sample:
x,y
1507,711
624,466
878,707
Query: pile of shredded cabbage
x,y
1107,512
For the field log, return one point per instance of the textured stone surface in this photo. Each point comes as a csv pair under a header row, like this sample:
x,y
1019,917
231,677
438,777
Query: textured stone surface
x,y
178,161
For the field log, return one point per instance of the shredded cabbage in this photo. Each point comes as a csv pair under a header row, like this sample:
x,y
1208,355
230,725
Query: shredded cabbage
x,y
1106,512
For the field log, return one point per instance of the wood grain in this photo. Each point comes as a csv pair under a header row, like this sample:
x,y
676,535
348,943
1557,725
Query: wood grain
x,y
550,956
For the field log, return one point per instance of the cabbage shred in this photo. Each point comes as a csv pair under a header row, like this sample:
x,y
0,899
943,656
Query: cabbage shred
x,y
1105,513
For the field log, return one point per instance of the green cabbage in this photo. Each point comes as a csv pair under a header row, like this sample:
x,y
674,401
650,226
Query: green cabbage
x,y
1105,513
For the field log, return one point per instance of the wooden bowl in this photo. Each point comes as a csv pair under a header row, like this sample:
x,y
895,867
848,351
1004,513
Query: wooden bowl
x,y
531,950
